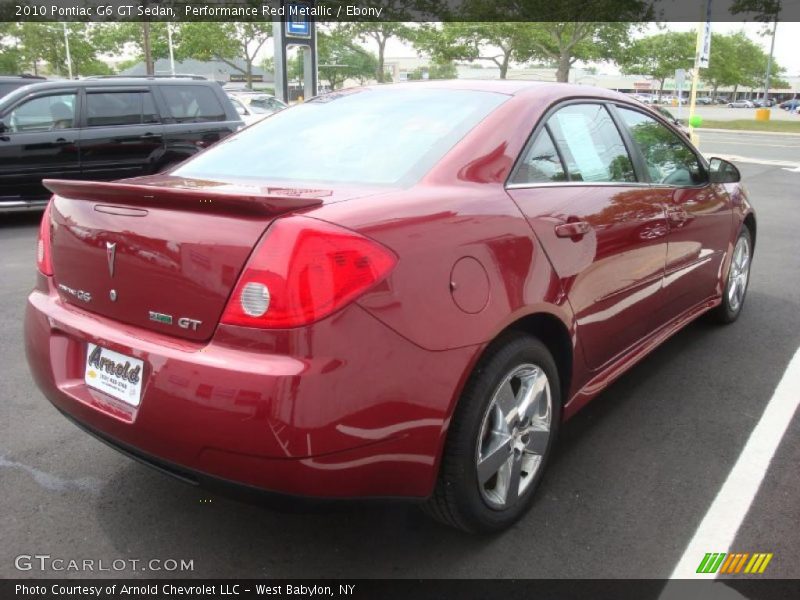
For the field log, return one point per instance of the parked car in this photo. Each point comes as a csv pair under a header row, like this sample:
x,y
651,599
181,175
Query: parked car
x,y
790,104
253,107
104,129
761,103
741,104
9,83
705,100
390,291
722,99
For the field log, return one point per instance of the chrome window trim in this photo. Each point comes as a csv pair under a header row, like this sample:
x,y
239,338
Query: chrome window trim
x,y
522,186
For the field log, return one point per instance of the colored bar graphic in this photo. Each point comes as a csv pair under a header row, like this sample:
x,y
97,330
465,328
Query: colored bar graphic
x,y
730,563
740,564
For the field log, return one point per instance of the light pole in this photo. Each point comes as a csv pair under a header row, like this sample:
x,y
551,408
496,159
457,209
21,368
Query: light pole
x,y
769,61
66,43
171,52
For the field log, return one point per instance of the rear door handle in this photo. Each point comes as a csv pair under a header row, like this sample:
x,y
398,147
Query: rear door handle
x,y
62,142
149,136
573,229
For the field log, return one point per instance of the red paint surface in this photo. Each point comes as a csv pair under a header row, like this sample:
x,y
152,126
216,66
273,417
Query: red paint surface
x,y
358,404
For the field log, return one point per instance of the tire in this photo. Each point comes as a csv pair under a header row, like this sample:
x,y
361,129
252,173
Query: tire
x,y
487,436
739,276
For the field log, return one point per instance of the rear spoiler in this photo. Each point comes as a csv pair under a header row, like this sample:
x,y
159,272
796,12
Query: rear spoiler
x,y
203,196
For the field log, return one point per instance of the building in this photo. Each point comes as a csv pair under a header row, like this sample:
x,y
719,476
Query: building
x,y
215,70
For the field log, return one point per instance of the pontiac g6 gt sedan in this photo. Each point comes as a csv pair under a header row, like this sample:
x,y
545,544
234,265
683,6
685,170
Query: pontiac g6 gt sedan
x,y
392,291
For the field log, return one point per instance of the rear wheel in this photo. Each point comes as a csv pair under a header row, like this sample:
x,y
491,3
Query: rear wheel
x,y
500,438
737,280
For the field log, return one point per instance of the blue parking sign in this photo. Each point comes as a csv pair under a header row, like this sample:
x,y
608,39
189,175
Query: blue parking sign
x,y
297,24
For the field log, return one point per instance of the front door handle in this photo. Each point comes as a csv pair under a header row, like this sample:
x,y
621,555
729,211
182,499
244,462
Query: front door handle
x,y
573,229
149,136
62,142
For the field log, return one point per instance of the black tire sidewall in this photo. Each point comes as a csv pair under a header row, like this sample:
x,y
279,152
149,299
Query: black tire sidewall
x,y
726,313
514,350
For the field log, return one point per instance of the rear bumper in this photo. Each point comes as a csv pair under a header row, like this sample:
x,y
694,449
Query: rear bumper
x,y
344,408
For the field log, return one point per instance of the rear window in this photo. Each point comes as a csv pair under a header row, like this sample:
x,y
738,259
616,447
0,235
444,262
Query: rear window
x,y
192,103
376,136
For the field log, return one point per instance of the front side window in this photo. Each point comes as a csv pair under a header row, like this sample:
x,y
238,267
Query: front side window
x,y
45,113
372,136
104,109
193,103
669,160
590,144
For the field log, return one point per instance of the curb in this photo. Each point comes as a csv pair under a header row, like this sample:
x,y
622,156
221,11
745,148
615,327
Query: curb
x,y
700,130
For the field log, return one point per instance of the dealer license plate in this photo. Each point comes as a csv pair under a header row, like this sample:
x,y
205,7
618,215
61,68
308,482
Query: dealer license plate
x,y
115,374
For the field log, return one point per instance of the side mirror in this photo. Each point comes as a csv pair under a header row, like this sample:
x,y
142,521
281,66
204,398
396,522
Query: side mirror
x,y
722,171
3,127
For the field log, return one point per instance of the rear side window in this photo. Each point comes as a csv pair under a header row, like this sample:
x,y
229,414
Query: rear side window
x,y
669,160
192,103
541,163
590,144
104,109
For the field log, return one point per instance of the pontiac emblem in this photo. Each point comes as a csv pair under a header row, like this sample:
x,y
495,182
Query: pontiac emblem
x,y
111,250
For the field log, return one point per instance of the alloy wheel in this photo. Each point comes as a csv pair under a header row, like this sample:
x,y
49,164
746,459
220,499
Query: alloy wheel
x,y
514,436
738,274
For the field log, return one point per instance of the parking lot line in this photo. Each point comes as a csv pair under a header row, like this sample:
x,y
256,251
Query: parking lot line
x,y
718,528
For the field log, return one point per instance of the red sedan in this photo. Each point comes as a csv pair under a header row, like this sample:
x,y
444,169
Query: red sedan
x,y
395,291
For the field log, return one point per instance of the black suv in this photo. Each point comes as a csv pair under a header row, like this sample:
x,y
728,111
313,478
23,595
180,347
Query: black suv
x,y
104,129
9,83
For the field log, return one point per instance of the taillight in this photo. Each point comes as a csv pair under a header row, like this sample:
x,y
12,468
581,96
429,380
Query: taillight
x,y
302,271
43,252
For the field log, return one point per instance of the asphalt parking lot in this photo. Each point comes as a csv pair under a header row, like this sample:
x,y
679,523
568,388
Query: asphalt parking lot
x,y
634,474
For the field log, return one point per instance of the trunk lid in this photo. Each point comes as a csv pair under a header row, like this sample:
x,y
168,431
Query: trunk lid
x,y
162,252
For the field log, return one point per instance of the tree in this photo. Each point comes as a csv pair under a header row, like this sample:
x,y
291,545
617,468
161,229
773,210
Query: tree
x,y
568,42
129,37
723,68
225,42
558,43
339,59
659,56
495,42
435,71
380,32
10,57
36,44
560,33
736,61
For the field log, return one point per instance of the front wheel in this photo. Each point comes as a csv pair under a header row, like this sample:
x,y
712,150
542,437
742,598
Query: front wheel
x,y
500,438
737,280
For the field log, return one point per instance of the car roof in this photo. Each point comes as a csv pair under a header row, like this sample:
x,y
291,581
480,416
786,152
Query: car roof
x,y
57,84
511,87
119,81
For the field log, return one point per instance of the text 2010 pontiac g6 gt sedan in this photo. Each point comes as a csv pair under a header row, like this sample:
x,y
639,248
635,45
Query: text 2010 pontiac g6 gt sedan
x,y
393,291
